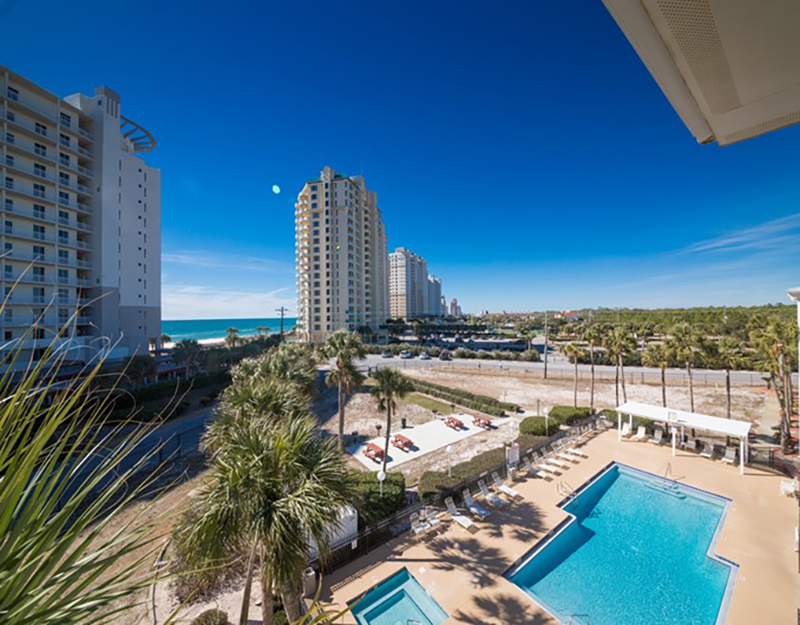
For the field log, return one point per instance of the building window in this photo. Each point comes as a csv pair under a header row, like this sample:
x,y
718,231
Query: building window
x,y
40,129
40,149
63,256
9,182
38,274
40,170
39,233
13,94
38,251
38,190
66,120
9,138
65,160
63,217
9,226
10,161
63,197
63,236
63,178
38,211
65,140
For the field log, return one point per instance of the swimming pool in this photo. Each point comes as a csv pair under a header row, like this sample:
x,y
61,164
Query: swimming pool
x,y
399,599
639,549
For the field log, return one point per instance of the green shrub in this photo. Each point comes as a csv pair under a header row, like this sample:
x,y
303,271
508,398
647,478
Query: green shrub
x,y
536,426
482,403
212,617
568,415
371,507
528,442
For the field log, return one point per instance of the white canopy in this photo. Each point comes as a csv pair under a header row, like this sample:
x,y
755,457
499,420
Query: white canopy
x,y
726,427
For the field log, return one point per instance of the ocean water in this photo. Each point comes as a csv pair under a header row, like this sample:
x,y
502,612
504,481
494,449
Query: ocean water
x,y
200,329
636,554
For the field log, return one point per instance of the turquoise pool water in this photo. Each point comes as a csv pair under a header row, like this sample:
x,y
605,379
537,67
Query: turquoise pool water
x,y
399,600
638,551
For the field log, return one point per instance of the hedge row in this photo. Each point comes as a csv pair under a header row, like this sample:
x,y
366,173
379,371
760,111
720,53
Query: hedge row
x,y
435,485
170,388
559,415
483,403
368,502
611,417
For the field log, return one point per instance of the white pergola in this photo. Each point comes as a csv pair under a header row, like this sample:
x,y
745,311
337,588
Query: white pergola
x,y
683,419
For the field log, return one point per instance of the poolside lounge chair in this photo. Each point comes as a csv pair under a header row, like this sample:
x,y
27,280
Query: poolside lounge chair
x,y
565,452
641,434
788,487
482,422
373,452
658,437
550,457
533,470
511,492
478,511
418,526
571,445
708,451
402,442
429,517
730,455
459,518
492,499
690,445
626,430
544,465
454,423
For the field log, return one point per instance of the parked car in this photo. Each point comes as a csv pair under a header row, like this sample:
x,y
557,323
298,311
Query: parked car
x,y
387,354
405,354
424,356
444,356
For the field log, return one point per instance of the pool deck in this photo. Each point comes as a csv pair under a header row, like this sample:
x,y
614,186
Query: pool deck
x,y
463,571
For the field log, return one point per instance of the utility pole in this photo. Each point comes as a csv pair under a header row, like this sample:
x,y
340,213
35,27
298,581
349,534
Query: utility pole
x,y
282,311
545,344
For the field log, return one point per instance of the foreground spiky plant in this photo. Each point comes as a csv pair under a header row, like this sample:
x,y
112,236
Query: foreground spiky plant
x,y
65,477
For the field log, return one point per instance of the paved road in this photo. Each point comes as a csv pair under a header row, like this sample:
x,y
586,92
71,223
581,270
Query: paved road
x,y
558,368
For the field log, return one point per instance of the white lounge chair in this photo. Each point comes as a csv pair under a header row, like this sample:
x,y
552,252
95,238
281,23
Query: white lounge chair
x,y
429,517
708,451
511,492
551,458
730,455
566,452
572,446
459,518
492,499
561,453
690,445
626,430
658,437
544,465
535,472
417,525
477,510
788,487
641,433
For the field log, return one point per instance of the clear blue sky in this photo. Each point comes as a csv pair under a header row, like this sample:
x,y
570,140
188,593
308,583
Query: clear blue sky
x,y
521,147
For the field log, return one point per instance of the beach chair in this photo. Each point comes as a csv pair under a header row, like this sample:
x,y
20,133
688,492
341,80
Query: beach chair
x,y
544,465
566,452
373,452
459,518
511,492
402,442
571,443
641,434
492,499
418,526
454,423
550,458
429,517
477,510
690,445
626,430
730,455
533,470
708,451
658,437
788,487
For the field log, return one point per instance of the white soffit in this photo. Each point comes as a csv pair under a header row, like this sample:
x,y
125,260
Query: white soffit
x,y
730,68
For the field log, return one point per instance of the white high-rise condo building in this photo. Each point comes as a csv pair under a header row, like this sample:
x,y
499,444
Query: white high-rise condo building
x,y
408,285
340,251
455,309
81,222
434,299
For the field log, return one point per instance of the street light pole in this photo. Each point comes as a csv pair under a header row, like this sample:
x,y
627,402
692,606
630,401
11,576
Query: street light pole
x,y
545,344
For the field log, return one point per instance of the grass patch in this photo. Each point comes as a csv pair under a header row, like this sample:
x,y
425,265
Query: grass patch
x,y
428,403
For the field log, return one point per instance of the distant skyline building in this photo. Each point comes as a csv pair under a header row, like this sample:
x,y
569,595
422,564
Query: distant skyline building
x,y
341,260
81,222
455,309
408,284
433,302
444,306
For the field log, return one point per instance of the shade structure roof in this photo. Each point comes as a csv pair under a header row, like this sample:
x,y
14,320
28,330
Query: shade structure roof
x,y
727,427
730,68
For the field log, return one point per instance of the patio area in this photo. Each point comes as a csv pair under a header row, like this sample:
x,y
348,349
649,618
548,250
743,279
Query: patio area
x,y
463,571
427,437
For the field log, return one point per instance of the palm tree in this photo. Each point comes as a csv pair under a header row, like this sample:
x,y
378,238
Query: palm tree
x,y
526,332
390,384
657,355
620,343
344,348
684,343
232,337
574,352
140,367
187,352
165,338
730,355
271,485
593,335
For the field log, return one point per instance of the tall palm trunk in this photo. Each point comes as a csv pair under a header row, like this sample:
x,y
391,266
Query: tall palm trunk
x,y
691,384
267,603
728,391
622,375
785,403
291,605
575,390
388,432
251,563
663,387
591,384
341,411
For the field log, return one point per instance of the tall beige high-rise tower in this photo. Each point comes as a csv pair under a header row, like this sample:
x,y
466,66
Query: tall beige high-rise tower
x,y
340,250
81,222
408,284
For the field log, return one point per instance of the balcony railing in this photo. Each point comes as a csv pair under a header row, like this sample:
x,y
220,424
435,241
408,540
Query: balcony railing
x,y
62,221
